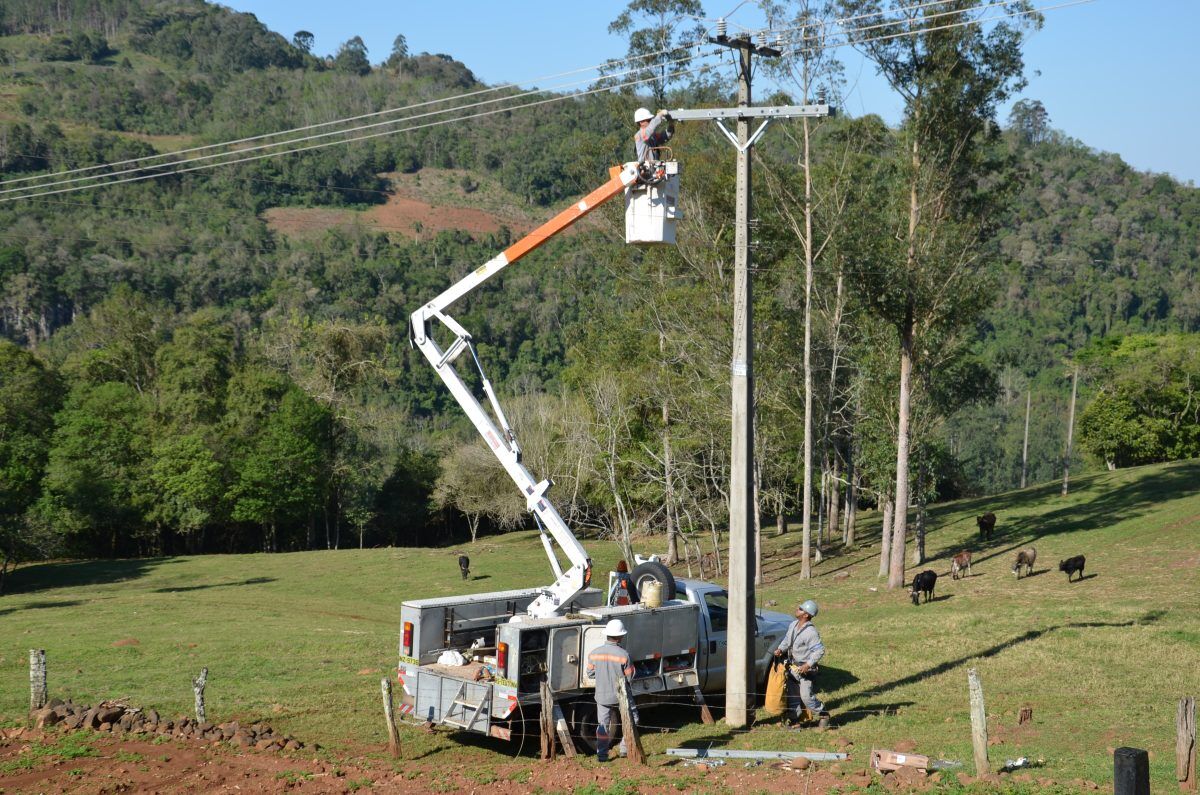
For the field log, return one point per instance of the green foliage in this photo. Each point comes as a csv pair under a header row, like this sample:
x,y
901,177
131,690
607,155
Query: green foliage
x,y
352,57
30,394
1147,409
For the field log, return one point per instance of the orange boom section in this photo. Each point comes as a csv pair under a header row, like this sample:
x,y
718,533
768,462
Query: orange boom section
x,y
567,217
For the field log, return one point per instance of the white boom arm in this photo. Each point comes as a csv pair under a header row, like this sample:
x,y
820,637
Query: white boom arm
x,y
501,439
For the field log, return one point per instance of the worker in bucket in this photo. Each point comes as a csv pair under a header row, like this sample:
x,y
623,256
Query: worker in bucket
x,y
610,666
649,137
803,648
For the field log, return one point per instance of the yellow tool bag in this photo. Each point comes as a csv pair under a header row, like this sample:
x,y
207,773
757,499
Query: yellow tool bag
x,y
776,702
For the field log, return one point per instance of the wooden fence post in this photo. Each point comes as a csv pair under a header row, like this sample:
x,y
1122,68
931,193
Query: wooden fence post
x,y
978,723
37,679
706,716
546,723
1131,772
633,743
389,717
198,689
1185,744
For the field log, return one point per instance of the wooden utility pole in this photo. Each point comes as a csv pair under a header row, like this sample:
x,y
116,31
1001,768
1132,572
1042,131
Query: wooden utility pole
x,y
1070,431
739,682
1025,446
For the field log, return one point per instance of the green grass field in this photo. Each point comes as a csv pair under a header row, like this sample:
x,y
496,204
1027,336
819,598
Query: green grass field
x,y
301,640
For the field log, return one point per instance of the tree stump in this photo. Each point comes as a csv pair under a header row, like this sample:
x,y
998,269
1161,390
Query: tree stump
x,y
1026,716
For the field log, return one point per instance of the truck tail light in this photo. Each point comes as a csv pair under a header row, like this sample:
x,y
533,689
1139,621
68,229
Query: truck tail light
x,y
502,658
406,639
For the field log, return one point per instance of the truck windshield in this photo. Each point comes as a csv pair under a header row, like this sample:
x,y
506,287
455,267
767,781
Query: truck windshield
x,y
718,610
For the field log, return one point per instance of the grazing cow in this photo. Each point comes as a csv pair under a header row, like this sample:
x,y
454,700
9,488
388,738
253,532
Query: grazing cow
x,y
1072,565
987,523
464,565
1026,557
961,563
923,584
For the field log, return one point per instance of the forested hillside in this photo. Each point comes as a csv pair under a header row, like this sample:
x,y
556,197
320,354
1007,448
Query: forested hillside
x,y
178,375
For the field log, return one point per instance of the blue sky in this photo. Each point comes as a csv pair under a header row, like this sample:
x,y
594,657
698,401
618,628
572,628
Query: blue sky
x,y
1119,75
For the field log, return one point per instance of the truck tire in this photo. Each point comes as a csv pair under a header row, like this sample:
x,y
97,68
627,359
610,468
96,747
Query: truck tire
x,y
582,722
652,570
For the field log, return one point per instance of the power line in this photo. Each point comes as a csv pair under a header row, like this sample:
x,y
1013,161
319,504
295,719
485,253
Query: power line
x,y
169,170
289,141
628,59
347,120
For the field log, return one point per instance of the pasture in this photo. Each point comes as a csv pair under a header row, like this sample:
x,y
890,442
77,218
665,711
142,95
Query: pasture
x,y
301,640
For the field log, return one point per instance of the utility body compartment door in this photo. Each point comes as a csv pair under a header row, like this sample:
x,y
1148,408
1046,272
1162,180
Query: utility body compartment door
x,y
564,660
592,637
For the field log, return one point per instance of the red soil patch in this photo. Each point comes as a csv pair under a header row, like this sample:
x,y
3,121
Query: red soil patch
x,y
130,765
406,215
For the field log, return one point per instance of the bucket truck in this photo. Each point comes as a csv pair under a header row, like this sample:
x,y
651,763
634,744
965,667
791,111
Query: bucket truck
x,y
476,662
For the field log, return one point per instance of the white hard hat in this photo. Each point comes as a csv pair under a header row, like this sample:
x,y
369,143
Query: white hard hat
x,y
614,628
642,114
809,606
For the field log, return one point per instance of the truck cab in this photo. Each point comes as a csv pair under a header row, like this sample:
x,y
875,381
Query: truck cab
x,y
713,601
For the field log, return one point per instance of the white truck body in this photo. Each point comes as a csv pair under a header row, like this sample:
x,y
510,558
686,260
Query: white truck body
x,y
674,648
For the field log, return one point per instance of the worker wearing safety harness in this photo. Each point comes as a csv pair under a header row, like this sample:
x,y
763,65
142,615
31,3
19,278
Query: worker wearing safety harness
x,y
648,137
611,667
802,645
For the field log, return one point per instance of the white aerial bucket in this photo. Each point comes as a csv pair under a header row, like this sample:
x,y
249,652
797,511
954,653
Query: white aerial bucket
x,y
652,208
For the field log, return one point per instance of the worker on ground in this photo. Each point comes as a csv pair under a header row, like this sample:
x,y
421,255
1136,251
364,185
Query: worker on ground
x,y
649,137
802,645
624,591
611,667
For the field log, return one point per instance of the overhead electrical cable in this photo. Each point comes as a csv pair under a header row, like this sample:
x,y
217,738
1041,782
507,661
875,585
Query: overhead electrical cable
x,y
373,114
316,136
168,170
235,142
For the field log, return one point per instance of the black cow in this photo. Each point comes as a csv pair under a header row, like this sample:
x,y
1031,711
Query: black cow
x,y
464,565
987,523
1072,565
923,584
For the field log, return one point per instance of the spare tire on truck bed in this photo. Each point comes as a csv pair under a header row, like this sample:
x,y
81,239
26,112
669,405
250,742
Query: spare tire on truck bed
x,y
653,570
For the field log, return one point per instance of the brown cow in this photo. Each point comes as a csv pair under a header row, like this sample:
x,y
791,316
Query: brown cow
x,y
1025,558
960,563
987,523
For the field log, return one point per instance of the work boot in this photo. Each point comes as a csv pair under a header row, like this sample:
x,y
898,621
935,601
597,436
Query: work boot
x,y
823,720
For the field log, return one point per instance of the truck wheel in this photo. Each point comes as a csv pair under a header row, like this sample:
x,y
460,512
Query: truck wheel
x,y
583,725
652,570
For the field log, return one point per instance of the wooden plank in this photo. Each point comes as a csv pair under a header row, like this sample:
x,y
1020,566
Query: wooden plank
x,y
564,734
979,736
